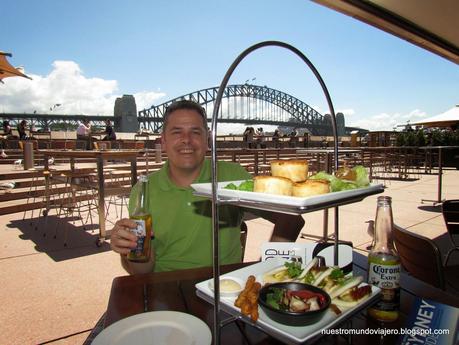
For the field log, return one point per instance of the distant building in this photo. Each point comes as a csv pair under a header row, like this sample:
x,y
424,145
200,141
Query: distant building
x,y
125,113
340,124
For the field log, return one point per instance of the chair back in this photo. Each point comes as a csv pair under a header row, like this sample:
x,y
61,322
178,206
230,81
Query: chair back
x,y
133,145
102,145
80,145
23,142
70,144
12,144
57,144
420,256
450,210
115,144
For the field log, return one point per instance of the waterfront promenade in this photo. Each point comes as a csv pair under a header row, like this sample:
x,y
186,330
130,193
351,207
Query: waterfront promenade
x,y
54,295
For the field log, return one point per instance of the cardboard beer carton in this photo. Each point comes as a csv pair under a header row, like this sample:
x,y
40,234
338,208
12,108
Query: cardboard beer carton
x,y
431,322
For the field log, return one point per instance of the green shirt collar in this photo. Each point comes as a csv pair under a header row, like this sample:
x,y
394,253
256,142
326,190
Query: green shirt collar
x,y
166,184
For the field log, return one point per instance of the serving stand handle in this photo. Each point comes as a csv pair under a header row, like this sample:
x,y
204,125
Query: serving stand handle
x,y
215,200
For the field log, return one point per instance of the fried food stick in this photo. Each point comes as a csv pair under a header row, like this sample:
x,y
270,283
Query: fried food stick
x,y
248,298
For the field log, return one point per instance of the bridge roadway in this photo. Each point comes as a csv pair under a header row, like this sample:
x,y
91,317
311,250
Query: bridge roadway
x,y
249,105
47,120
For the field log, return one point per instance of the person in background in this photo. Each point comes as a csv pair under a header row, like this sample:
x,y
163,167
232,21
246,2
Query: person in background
x,y
249,135
22,130
7,131
261,140
245,136
276,140
7,134
111,135
84,133
293,138
305,139
182,222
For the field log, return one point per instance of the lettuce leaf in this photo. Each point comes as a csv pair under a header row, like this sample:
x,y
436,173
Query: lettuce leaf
x,y
362,179
336,184
231,186
246,186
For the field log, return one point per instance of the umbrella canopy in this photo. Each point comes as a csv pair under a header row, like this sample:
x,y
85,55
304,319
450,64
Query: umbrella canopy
x,y
447,119
6,70
424,23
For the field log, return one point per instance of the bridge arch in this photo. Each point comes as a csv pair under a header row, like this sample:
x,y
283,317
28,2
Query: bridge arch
x,y
295,113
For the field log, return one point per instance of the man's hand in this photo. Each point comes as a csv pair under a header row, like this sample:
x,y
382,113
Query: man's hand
x,y
122,240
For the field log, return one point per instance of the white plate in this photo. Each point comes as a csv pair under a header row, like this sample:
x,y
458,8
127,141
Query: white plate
x,y
156,328
289,334
205,189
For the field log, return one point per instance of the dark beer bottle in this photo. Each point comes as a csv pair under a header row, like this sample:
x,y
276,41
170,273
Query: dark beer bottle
x,y
143,231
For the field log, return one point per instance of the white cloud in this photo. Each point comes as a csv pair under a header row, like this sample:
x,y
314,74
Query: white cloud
x,y
346,112
415,115
385,121
145,99
67,85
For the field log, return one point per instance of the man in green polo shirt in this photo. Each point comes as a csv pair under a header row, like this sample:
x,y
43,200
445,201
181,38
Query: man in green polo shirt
x,y
182,222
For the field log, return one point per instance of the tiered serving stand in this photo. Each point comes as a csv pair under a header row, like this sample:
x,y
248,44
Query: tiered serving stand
x,y
217,200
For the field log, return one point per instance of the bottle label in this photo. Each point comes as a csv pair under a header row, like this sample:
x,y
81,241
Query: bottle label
x,y
387,278
384,276
140,232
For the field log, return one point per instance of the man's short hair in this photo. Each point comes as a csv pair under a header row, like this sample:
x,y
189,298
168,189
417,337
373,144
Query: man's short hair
x,y
188,105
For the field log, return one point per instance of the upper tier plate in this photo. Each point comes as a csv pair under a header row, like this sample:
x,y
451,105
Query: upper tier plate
x,y
288,203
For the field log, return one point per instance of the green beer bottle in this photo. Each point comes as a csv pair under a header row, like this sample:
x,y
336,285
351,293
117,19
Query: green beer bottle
x,y
143,231
384,265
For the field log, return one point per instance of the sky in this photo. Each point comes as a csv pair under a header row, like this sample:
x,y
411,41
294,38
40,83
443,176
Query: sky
x,y
83,54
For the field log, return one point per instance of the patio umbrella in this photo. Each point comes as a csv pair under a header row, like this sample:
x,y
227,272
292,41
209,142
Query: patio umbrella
x,y
6,70
424,23
447,119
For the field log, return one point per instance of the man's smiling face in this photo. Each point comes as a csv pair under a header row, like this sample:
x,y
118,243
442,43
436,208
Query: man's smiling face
x,y
185,140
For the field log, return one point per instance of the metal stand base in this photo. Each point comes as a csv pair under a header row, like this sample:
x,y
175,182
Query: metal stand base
x,y
433,202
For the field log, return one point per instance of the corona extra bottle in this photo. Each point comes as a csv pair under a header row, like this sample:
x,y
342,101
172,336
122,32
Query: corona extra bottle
x,y
143,231
384,265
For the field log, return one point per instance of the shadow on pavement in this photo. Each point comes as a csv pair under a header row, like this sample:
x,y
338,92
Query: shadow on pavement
x,y
80,242
430,208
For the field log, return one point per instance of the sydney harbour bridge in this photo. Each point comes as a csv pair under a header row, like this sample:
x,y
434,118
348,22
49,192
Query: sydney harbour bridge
x,y
245,104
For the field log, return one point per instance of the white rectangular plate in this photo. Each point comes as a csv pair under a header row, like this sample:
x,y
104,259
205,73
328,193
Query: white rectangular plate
x,y
205,189
290,334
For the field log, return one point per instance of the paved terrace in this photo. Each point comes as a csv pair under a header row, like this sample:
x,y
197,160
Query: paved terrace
x,y
54,295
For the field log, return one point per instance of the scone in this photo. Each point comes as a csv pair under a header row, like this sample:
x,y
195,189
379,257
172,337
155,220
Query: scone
x,y
311,187
272,185
293,169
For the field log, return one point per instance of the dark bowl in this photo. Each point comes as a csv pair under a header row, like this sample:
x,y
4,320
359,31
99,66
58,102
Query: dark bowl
x,y
293,318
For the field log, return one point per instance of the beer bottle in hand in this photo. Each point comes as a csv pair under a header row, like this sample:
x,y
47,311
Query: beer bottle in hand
x,y
384,265
143,231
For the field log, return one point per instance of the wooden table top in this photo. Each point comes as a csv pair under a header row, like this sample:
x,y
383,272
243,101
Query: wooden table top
x,y
91,153
176,291
330,150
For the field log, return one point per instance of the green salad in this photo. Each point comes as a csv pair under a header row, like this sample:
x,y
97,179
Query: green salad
x,y
359,174
246,186
344,179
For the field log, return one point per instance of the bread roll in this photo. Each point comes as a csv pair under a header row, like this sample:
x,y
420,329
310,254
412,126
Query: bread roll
x,y
311,187
293,169
272,185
